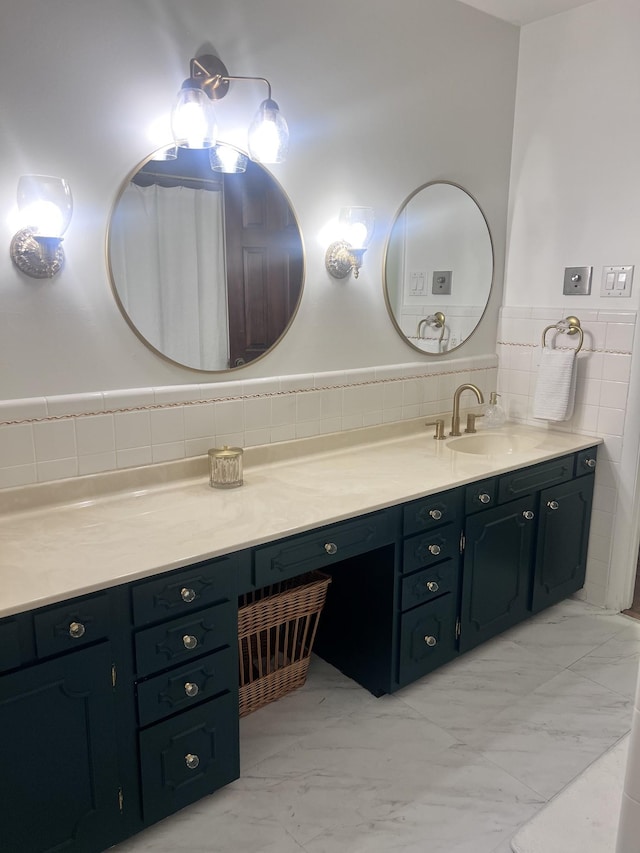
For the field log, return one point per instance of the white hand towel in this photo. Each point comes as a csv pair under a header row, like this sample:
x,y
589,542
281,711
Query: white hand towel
x,y
556,385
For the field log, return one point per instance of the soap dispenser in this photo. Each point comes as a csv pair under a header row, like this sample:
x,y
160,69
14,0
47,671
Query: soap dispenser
x,y
494,414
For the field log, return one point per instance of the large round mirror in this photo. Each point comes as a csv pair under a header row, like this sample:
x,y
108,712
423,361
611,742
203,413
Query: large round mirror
x,y
438,267
206,266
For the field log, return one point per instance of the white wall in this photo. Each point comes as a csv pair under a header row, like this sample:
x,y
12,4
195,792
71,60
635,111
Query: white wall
x,y
574,202
378,101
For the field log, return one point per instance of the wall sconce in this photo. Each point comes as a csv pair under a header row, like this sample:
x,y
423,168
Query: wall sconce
x,y
45,207
193,118
345,255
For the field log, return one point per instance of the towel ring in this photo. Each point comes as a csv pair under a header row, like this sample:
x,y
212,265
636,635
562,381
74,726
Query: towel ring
x,y
570,325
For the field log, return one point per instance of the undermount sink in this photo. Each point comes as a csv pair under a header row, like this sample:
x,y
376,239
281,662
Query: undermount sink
x,y
492,444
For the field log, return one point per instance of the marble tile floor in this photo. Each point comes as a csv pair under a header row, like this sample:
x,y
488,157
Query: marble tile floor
x,y
455,763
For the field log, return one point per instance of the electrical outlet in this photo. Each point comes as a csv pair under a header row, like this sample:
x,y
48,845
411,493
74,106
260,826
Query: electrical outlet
x,y
577,281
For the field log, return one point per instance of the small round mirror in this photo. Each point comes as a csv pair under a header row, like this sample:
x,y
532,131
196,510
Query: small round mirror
x,y
438,267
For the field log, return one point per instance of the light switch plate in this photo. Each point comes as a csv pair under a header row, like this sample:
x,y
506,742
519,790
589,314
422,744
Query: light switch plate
x,y
441,281
616,281
577,281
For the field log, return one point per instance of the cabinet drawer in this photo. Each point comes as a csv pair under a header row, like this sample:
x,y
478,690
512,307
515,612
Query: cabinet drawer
x,y
71,625
429,584
480,495
431,511
322,548
188,685
586,461
189,637
432,547
188,756
179,592
427,638
532,479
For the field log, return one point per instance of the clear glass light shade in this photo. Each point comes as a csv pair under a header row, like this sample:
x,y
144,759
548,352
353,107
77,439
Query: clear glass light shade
x,y
224,158
45,204
268,134
356,226
193,120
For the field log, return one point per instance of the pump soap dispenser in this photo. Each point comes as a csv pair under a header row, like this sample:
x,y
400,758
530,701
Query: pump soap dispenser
x,y
494,414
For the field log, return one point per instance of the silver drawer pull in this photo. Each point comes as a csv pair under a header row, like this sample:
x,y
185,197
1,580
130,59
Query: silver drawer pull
x,y
331,548
484,498
590,463
76,630
192,761
189,641
432,586
434,549
528,514
435,514
430,641
187,595
191,689
553,504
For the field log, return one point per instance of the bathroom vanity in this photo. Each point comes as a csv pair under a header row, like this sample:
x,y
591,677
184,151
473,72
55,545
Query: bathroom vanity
x,y
118,642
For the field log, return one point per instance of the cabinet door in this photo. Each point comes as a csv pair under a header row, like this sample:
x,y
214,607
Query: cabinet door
x,y
497,571
563,535
427,638
59,776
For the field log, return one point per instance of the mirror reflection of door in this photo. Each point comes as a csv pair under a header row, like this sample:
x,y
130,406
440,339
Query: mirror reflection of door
x,y
207,268
264,263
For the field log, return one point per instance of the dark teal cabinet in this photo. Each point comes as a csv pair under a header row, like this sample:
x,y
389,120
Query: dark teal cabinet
x,y
496,573
121,707
59,780
561,548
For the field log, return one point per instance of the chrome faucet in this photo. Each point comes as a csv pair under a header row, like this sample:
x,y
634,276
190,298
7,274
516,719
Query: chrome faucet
x,y
455,418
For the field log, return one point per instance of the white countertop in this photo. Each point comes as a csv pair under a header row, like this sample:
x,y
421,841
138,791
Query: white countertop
x,y
72,537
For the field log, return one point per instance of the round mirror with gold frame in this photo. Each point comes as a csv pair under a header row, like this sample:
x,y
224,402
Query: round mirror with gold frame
x,y
206,266
438,267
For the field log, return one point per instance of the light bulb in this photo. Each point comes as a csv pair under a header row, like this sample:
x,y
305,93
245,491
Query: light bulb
x,y
45,204
193,120
268,134
224,158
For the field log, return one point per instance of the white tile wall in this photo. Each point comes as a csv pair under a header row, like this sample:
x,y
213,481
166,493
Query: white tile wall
x,y
52,438
604,369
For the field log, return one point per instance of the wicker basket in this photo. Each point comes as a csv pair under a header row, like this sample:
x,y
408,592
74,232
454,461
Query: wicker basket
x,y
276,629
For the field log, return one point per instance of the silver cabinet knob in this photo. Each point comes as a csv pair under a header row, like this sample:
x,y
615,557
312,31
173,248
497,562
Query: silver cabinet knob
x,y
331,548
435,514
432,586
528,514
590,463
76,630
187,595
553,504
484,498
189,641
191,689
434,549
430,641
191,760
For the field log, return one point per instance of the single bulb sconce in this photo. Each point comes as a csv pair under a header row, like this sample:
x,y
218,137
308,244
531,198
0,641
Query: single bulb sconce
x,y
45,207
193,119
345,255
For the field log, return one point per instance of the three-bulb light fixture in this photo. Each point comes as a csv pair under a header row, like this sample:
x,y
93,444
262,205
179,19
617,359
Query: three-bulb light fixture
x,y
44,207
193,120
